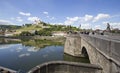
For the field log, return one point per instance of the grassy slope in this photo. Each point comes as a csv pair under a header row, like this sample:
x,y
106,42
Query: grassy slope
x,y
30,28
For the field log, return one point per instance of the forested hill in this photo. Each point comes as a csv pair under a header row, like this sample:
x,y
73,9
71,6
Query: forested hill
x,y
37,27
9,27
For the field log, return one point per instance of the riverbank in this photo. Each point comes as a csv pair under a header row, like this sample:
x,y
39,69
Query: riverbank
x,y
35,41
34,37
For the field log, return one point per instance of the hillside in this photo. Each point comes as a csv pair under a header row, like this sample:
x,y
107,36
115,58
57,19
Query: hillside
x,y
9,27
43,25
29,28
42,29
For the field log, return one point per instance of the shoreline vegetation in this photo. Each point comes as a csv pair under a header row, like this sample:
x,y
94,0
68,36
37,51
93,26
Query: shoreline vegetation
x,y
35,41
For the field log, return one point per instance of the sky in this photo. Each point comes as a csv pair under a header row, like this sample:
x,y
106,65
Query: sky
x,y
88,14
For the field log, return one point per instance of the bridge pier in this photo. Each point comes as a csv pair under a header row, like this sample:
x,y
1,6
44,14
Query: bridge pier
x,y
72,46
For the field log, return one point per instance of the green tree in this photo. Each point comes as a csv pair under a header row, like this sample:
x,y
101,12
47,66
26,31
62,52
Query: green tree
x,y
25,33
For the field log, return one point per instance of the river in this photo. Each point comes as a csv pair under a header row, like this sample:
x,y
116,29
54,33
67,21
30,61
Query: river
x,y
21,57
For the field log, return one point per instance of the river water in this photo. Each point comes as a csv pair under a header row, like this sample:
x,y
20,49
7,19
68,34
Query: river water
x,y
20,57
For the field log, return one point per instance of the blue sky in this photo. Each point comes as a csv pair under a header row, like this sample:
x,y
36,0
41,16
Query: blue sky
x,y
89,13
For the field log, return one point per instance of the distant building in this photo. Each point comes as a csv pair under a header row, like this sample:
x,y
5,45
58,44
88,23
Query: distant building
x,y
59,34
40,24
37,22
8,34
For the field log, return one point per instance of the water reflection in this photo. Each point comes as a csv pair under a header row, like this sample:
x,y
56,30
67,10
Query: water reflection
x,y
5,46
41,43
9,41
24,55
35,43
33,49
76,59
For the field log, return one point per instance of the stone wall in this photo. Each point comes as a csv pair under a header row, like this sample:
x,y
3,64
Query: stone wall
x,y
72,45
108,47
65,67
102,51
96,58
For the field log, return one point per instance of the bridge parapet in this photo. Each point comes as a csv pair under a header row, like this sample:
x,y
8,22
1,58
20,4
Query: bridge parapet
x,y
108,47
66,67
6,70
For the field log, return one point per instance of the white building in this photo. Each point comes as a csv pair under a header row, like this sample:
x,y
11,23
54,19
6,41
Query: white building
x,y
59,34
37,22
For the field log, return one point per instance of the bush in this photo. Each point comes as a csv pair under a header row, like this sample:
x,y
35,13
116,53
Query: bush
x,y
25,33
44,32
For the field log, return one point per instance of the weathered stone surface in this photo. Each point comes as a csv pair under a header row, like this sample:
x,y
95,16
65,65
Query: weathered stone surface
x,y
96,57
102,50
72,46
66,67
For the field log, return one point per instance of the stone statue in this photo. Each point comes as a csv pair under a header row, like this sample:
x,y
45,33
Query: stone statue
x,y
108,27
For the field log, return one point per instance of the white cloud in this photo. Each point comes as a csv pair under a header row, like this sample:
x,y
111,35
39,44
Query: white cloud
x,y
86,26
97,27
50,17
101,16
25,14
12,18
33,18
19,19
78,20
71,21
88,18
57,23
115,25
6,22
112,24
105,22
86,21
45,13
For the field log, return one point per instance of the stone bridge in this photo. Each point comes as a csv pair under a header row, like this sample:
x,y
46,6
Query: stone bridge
x,y
102,50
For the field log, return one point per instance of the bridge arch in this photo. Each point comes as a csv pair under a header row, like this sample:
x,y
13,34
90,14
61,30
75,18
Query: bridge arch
x,y
84,52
